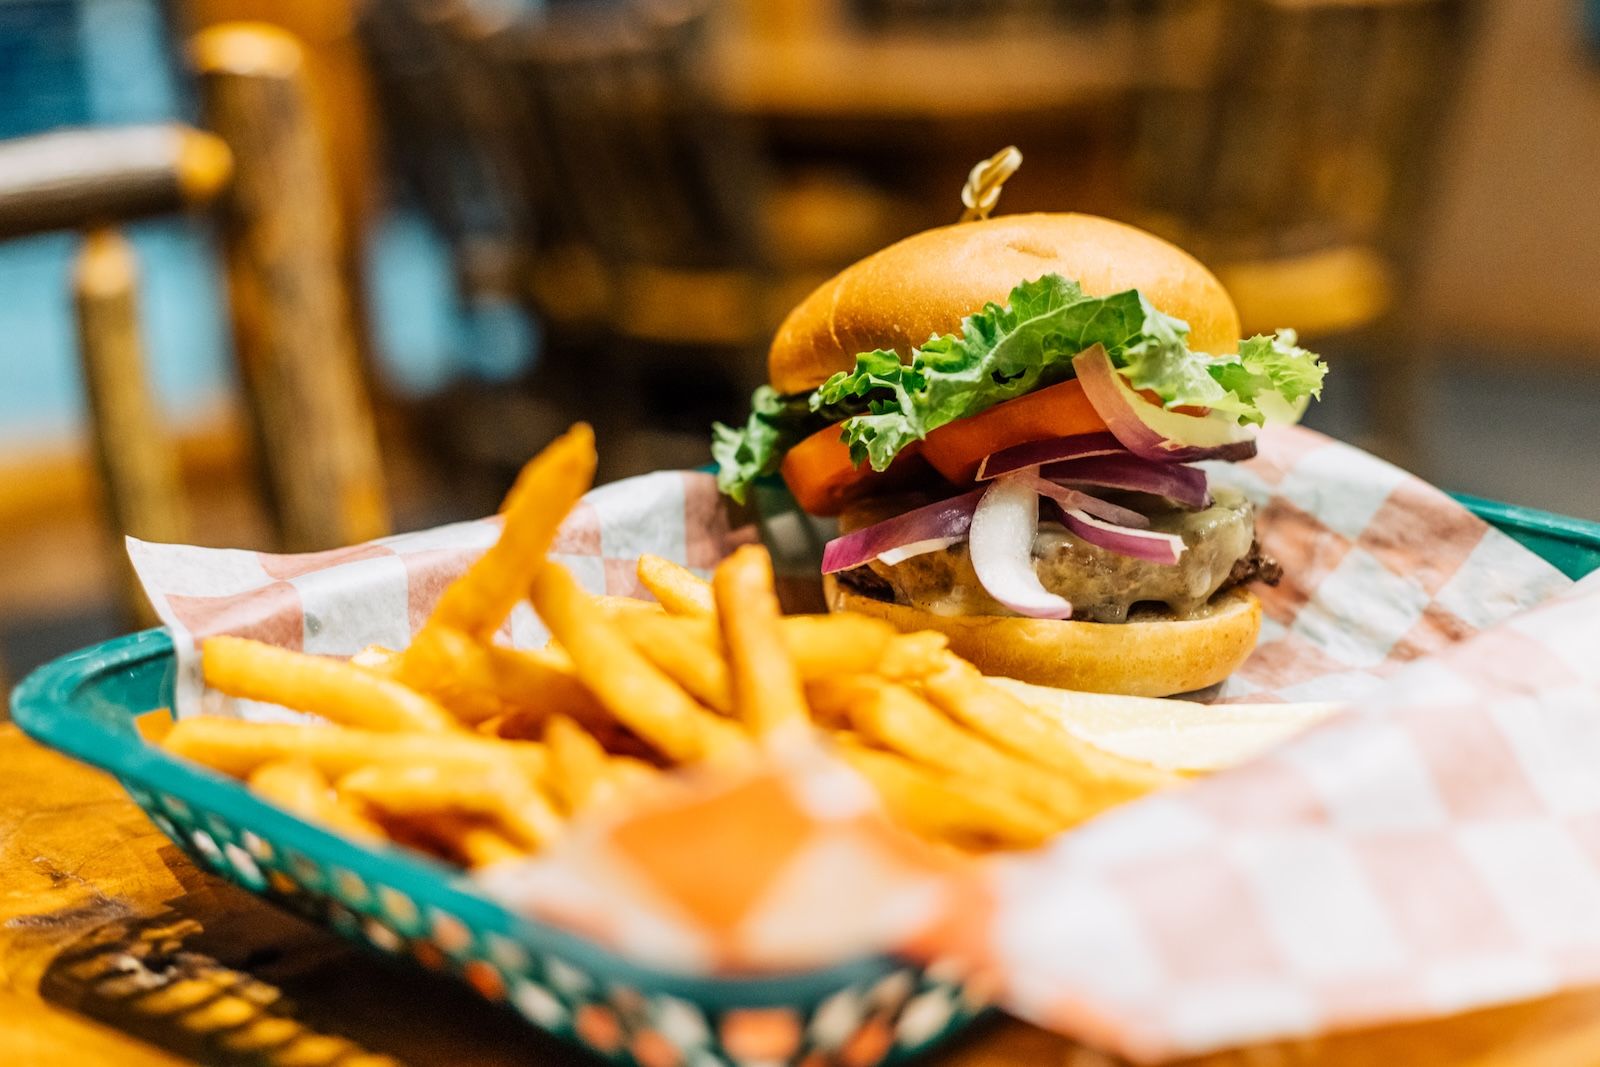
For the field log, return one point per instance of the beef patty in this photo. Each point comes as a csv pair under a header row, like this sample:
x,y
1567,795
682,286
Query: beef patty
x,y
1102,586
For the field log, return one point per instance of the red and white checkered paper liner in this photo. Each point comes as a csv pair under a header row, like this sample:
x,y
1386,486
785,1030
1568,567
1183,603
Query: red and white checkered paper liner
x,y
338,602
1432,849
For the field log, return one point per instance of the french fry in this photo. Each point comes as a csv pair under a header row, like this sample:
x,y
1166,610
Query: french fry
x,y
454,670
628,775
822,646
617,607
471,840
898,719
687,650
237,748
378,659
616,738
633,689
959,690
334,689
154,725
679,590
483,846
826,646
966,813
545,491
297,785
915,655
578,764
422,789
536,683
767,693
523,687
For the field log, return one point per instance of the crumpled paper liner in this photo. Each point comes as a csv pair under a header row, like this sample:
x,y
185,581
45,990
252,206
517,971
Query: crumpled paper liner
x,y
1432,849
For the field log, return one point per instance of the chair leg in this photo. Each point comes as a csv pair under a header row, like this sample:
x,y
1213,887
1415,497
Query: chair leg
x,y
294,335
138,465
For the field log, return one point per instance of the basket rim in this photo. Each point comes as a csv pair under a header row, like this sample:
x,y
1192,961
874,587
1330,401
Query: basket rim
x,y
47,706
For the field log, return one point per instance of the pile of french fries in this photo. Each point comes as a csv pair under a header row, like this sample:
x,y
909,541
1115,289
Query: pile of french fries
x,y
479,753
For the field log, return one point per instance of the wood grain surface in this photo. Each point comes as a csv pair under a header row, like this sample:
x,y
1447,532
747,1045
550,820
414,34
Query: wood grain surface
x,y
293,320
138,461
115,950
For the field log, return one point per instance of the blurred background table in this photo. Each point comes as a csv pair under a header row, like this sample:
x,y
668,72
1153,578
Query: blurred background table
x,y
116,951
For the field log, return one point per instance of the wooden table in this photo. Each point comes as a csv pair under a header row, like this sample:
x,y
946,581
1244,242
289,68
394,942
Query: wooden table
x,y
115,950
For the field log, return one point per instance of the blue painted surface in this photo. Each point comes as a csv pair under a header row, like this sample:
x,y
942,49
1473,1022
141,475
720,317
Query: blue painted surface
x,y
75,62
41,67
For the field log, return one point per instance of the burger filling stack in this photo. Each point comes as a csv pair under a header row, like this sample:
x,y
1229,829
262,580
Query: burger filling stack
x,y
1004,417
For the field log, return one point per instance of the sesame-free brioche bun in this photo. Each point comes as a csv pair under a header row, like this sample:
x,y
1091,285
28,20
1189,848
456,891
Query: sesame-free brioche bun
x,y
1149,656
924,285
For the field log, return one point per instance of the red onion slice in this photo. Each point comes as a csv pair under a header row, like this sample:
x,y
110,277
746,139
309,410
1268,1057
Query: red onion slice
x,y
1033,453
942,521
1183,485
1001,544
1150,430
1071,498
1140,544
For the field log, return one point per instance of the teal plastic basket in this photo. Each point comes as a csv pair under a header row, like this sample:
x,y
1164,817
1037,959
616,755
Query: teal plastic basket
x,y
875,1010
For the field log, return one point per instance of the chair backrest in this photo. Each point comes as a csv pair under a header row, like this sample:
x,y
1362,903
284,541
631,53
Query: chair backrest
x,y
1318,127
262,171
454,128
639,158
922,16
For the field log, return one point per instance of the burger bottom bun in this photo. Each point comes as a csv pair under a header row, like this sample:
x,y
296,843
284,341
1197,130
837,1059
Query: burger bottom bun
x,y
1154,656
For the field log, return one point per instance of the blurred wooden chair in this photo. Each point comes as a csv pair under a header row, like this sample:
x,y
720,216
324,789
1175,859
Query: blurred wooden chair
x,y
636,160
1300,172
457,139
262,173
452,127
986,15
583,145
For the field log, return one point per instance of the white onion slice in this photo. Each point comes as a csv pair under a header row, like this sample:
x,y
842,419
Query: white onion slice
x,y
892,556
1072,498
1140,544
1150,430
1001,544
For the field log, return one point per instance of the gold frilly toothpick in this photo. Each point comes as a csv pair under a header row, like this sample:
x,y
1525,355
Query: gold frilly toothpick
x,y
982,191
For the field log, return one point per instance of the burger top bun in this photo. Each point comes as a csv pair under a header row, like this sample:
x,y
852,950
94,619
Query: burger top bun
x,y
925,284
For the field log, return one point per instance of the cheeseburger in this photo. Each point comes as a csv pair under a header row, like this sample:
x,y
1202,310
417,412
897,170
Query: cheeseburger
x,y
1003,415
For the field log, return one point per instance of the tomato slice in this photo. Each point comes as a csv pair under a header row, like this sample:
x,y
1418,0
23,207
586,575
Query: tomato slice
x,y
823,480
1062,410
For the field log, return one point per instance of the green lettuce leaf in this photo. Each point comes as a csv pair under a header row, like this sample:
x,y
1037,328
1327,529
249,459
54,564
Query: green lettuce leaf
x,y
1001,353
776,424
1269,379
1005,352
1268,367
